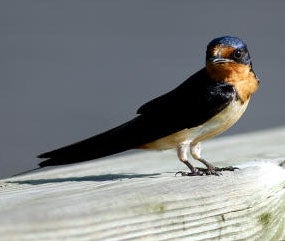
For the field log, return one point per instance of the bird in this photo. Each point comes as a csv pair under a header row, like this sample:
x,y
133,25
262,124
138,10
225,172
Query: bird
x,y
206,104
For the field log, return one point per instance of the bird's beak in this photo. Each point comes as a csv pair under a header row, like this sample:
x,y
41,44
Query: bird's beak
x,y
220,60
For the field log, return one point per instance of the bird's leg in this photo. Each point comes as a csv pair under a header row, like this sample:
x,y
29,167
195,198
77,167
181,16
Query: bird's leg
x,y
182,152
195,150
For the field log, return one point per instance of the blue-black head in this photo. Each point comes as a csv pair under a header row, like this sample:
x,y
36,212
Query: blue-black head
x,y
227,49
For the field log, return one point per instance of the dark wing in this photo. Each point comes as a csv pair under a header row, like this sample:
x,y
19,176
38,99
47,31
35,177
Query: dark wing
x,y
194,101
190,104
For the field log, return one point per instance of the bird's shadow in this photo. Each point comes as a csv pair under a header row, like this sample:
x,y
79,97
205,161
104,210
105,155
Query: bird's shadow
x,y
98,178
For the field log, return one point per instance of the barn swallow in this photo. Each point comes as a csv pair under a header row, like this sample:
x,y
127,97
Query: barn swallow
x,y
205,105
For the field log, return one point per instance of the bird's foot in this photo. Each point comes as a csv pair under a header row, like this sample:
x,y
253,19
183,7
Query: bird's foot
x,y
196,173
210,171
229,168
199,172
216,171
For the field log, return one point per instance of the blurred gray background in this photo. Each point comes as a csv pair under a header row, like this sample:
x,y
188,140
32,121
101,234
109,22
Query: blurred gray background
x,y
70,69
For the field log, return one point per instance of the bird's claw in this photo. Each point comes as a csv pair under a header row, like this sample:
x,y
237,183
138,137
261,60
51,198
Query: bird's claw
x,y
200,172
229,168
196,173
210,171
216,171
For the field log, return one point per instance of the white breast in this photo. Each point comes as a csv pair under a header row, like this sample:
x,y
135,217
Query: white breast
x,y
219,123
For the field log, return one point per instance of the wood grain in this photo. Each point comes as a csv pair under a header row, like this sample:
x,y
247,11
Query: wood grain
x,y
138,197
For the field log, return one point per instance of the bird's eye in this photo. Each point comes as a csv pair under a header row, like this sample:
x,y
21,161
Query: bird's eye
x,y
237,54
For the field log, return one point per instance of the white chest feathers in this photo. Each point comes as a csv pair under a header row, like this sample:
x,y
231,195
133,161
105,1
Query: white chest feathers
x,y
219,123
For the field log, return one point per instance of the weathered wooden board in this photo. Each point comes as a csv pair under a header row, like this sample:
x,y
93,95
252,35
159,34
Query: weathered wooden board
x,y
138,197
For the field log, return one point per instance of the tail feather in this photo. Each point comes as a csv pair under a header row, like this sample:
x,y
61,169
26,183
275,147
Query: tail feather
x,y
130,135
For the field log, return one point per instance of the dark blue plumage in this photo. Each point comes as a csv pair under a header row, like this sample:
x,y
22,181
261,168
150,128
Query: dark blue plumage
x,y
228,41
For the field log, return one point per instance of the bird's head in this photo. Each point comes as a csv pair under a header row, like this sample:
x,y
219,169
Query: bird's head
x,y
227,50
228,60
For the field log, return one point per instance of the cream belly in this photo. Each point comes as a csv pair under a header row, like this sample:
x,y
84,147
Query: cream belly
x,y
215,126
